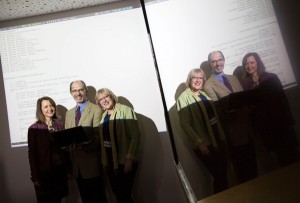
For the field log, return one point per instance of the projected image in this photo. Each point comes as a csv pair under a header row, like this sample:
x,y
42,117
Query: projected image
x,y
109,49
184,32
214,138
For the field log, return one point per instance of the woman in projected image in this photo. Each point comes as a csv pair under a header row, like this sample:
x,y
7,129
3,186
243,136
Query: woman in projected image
x,y
48,163
119,135
271,117
199,120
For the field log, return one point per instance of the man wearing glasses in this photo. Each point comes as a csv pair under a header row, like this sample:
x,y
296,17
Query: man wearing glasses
x,y
86,157
236,123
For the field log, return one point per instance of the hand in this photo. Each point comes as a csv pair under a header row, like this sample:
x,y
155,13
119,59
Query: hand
x,y
73,147
69,176
79,147
36,183
203,149
128,165
247,109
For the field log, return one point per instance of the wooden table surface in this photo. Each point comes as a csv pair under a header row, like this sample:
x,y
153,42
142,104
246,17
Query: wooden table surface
x,y
280,186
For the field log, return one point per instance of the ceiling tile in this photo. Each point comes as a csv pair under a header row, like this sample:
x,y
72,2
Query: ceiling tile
x,y
14,9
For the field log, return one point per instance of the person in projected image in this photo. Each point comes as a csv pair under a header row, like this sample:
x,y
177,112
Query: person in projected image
x,y
48,163
86,157
235,121
271,117
199,120
120,138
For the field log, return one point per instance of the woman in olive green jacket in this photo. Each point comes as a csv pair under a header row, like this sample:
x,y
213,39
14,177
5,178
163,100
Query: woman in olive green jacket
x,y
198,119
119,135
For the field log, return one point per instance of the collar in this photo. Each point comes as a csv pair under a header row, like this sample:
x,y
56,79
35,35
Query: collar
x,y
219,77
82,106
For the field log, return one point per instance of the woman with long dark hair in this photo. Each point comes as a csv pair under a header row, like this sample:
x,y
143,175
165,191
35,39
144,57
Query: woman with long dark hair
x,y
48,163
271,116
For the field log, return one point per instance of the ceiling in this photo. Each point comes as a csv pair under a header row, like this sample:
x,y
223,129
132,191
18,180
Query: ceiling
x,y
14,9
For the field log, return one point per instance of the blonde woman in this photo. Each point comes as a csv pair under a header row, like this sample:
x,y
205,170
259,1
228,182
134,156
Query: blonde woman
x,y
119,135
199,120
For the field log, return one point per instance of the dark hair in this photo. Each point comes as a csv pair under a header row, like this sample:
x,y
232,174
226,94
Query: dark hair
x,y
39,114
209,56
83,83
260,65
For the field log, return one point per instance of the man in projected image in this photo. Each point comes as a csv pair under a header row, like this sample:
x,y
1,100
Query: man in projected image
x,y
235,122
86,157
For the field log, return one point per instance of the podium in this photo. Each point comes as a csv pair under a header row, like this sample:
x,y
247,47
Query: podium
x,y
78,135
239,100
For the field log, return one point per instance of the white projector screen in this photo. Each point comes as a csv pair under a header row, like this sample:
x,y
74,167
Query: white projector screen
x,y
108,49
184,32
111,49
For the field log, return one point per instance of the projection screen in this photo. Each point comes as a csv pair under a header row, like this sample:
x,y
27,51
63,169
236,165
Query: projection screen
x,y
111,49
184,32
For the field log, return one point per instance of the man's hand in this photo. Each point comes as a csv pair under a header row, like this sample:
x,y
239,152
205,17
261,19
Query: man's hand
x,y
203,148
128,165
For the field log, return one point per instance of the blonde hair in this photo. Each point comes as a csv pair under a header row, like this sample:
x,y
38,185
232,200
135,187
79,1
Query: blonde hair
x,y
108,92
193,72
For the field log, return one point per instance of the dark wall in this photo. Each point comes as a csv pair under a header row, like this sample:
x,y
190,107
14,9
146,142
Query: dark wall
x,y
287,12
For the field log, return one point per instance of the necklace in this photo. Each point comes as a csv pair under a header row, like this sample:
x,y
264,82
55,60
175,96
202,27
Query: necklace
x,y
49,124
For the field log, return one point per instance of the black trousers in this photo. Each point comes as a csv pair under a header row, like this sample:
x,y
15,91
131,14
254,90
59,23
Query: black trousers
x,y
91,190
244,162
122,183
216,163
283,141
